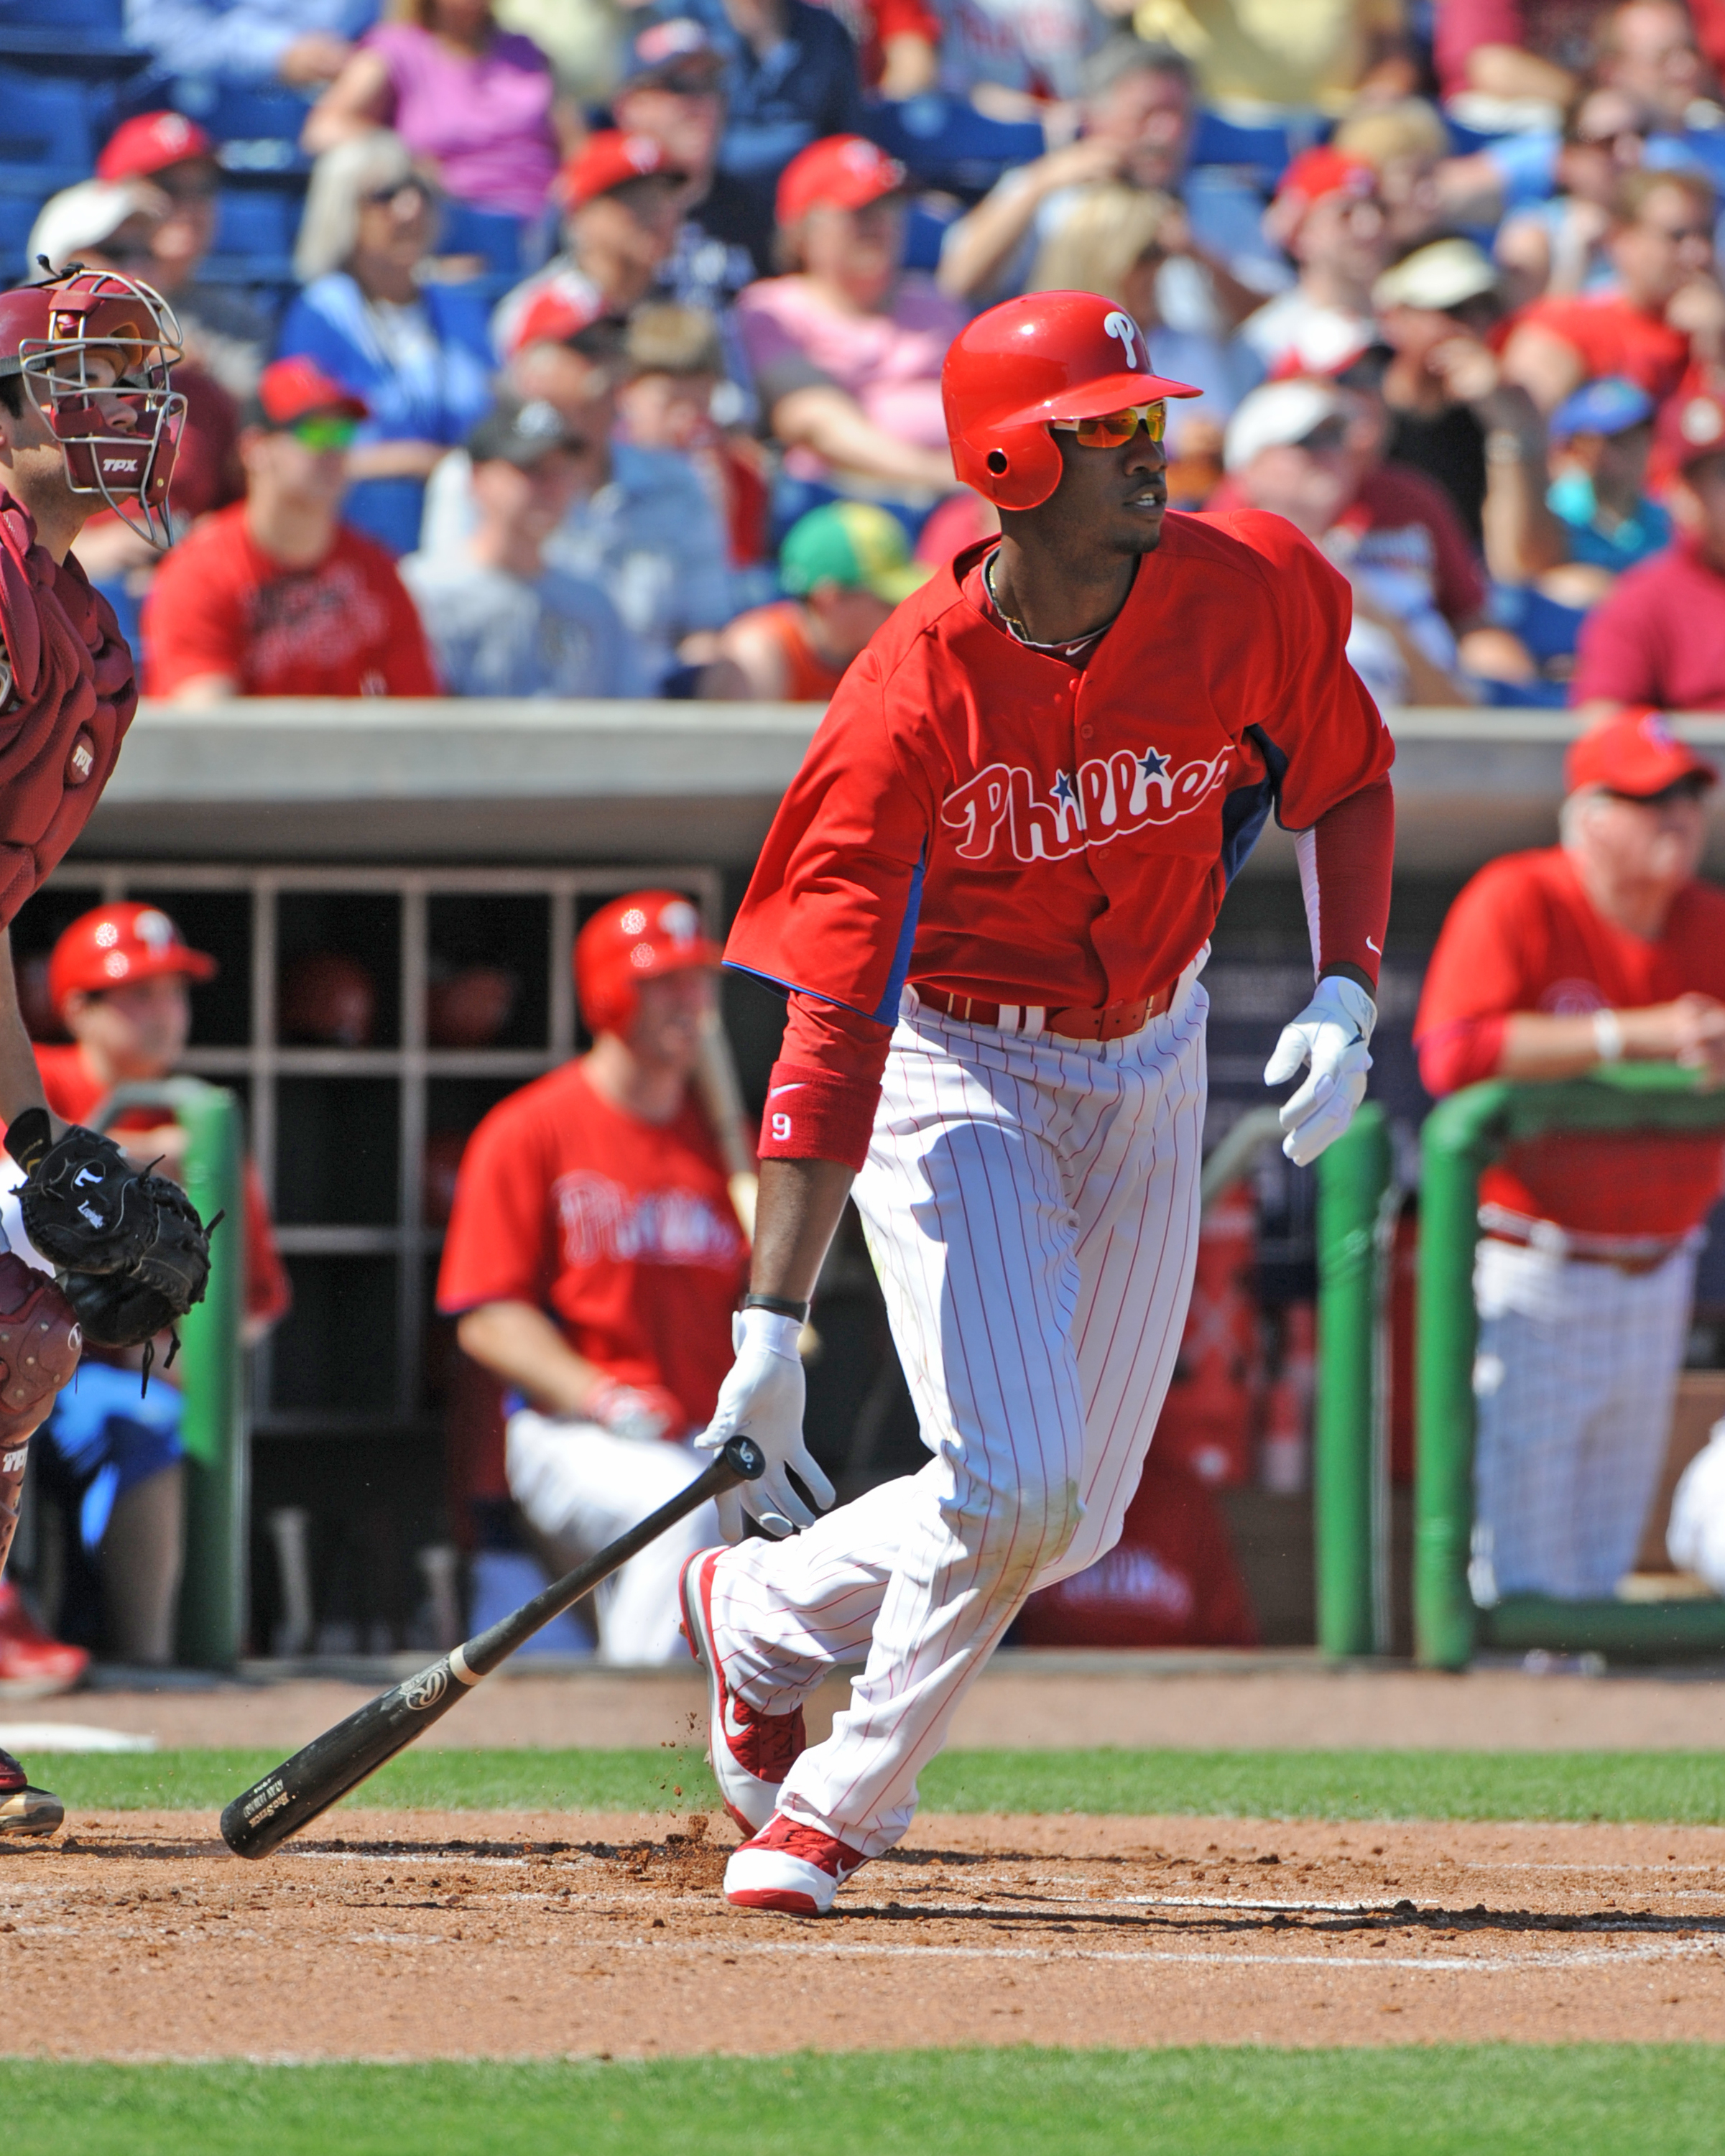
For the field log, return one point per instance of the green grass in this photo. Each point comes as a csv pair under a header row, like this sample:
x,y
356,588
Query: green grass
x,y
1670,1787
1582,2100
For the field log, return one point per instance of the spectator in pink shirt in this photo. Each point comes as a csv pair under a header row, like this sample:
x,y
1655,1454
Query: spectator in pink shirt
x,y
846,350
475,105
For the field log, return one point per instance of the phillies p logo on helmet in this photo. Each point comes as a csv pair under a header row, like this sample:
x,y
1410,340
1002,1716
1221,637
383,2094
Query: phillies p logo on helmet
x,y
1048,356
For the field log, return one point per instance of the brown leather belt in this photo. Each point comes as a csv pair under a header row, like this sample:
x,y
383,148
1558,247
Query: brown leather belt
x,y
1113,1022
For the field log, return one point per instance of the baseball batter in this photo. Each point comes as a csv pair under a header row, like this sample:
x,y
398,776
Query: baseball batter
x,y
593,1261
87,419
989,895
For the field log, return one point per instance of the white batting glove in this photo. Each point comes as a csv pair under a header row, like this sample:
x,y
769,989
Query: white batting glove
x,y
1330,1034
763,1397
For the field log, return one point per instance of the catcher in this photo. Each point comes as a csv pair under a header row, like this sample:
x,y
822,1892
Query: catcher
x,y
88,1246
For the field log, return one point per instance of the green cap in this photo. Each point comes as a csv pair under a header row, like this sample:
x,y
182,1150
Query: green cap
x,y
854,544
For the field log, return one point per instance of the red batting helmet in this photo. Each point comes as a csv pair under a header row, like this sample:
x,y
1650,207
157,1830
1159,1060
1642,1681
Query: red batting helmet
x,y
113,944
635,938
94,349
1048,355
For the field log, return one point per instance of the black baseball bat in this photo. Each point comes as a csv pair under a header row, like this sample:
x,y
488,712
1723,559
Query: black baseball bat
x,y
296,1792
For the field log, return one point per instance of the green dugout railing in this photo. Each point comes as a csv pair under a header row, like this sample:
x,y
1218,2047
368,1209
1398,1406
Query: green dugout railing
x,y
210,1370
1358,1203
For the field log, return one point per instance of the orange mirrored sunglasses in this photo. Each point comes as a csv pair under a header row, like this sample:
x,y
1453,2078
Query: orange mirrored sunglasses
x,y
1113,430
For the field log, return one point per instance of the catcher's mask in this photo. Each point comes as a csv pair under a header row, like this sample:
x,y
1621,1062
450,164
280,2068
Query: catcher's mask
x,y
94,349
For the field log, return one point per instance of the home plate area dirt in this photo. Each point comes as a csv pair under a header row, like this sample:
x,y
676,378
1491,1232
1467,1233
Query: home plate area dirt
x,y
443,1935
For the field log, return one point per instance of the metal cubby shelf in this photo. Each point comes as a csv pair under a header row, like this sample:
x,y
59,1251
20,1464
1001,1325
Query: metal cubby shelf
x,y
258,1066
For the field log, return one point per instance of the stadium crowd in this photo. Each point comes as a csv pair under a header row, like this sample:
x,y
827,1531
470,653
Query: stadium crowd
x,y
1447,278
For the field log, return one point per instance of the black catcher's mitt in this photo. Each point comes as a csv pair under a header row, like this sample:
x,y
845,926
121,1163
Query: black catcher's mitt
x,y
131,1253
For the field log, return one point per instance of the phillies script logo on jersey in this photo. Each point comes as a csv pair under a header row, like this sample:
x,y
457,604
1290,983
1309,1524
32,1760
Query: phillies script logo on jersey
x,y
602,1220
1004,813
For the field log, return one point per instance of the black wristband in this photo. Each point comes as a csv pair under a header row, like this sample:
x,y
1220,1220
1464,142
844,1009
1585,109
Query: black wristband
x,y
28,1136
781,1306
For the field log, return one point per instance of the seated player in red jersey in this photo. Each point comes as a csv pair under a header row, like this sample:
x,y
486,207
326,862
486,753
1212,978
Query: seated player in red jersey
x,y
593,1260
120,980
1666,311
1550,965
276,597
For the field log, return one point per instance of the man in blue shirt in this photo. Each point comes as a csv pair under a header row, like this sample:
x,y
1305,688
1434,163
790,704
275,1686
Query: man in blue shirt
x,y
304,43
790,77
1601,437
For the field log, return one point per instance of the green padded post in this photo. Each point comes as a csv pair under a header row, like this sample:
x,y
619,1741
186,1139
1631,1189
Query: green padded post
x,y
210,1369
1352,1178
1461,1136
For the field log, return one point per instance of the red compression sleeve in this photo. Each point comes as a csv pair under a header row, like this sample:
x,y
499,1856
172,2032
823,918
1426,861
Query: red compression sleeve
x,y
1345,863
1462,1053
821,1099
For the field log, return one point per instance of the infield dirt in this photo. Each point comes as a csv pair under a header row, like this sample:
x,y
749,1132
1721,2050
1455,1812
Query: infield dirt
x,y
426,1935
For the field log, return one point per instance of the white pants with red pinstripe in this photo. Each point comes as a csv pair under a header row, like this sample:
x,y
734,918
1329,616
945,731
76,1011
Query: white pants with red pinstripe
x,y
1031,1204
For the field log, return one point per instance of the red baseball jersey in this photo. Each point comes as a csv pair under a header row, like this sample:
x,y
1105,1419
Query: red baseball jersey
x,y
1524,935
621,1231
982,820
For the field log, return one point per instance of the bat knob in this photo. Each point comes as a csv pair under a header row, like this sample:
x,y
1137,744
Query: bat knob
x,y
746,1458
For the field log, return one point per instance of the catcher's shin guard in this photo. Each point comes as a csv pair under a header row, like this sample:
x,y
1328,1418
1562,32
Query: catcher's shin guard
x,y
39,1346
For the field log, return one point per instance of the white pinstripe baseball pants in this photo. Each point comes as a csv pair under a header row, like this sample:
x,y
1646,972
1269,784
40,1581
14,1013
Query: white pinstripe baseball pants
x,y
1574,1374
1032,1206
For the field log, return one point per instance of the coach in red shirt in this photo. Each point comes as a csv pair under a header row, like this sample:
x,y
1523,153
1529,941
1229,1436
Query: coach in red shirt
x,y
1605,947
593,1261
1659,636
276,597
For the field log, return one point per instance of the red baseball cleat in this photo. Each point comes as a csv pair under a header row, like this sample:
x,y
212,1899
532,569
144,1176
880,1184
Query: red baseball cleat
x,y
750,1753
790,1867
33,1665
24,1810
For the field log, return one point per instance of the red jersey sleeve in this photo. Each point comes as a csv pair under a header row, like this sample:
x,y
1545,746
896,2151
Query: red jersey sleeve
x,y
1346,861
831,908
497,1248
1490,953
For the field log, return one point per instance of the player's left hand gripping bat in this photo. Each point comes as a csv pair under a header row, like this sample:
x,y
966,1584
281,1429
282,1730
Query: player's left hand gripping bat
x,y
296,1792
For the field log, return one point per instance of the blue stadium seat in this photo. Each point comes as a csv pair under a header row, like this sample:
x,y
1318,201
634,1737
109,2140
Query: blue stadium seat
x,y
255,230
45,133
947,143
257,129
19,207
491,234
1266,152
84,38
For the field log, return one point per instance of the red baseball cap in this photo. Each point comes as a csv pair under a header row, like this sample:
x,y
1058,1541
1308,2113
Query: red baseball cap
x,y
115,944
1691,428
1326,171
611,159
637,937
289,389
842,170
150,143
553,317
1636,752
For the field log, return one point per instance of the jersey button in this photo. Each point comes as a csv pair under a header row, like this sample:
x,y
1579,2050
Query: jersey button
x,y
1087,733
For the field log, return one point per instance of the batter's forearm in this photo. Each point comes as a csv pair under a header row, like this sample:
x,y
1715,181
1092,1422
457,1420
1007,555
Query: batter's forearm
x,y
522,1345
796,1218
20,1080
